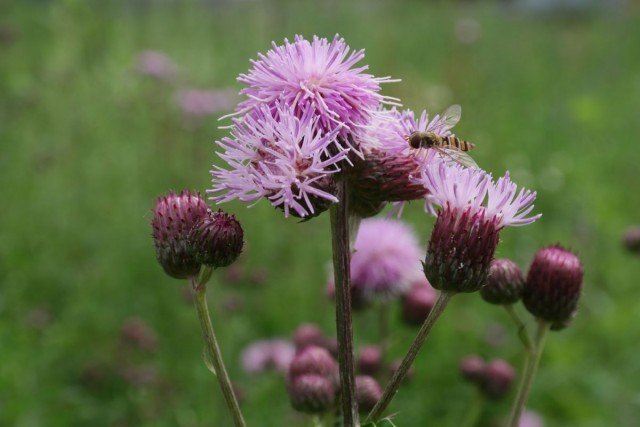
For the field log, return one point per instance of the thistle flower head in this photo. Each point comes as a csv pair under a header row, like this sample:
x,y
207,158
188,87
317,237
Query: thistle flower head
x,y
370,360
315,75
173,218
282,157
307,335
311,393
472,211
313,360
368,392
553,285
504,284
385,262
217,239
631,239
472,368
274,354
497,379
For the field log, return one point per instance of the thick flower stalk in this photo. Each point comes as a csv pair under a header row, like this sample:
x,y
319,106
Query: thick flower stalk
x,y
282,158
471,211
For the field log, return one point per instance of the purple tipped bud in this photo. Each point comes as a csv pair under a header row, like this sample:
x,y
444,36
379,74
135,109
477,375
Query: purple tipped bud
x,y
311,393
417,304
173,218
498,378
313,360
504,284
631,239
553,284
472,368
460,250
217,239
368,392
307,335
370,360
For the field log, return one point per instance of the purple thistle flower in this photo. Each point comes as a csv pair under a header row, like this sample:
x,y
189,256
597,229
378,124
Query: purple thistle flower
x,y
282,158
473,210
317,75
385,262
264,355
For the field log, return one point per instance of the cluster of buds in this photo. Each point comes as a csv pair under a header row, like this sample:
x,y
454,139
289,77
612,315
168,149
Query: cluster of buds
x,y
312,381
310,335
187,235
494,378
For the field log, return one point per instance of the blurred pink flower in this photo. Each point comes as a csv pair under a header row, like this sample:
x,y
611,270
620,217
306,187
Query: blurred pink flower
x,y
386,259
156,64
531,419
264,355
203,102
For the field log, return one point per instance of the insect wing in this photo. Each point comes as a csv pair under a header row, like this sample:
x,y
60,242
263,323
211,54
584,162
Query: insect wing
x,y
454,155
451,116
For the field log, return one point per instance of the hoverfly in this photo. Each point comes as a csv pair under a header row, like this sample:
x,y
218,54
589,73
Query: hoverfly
x,y
448,147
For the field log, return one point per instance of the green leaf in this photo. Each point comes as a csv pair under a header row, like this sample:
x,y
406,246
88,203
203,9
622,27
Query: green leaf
x,y
207,361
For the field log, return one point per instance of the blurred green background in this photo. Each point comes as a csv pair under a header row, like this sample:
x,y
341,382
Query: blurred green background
x,y
87,143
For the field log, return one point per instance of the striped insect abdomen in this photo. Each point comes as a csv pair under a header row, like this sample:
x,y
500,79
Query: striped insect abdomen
x,y
458,143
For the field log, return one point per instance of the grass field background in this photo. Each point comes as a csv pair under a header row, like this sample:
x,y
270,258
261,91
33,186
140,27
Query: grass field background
x,y
87,145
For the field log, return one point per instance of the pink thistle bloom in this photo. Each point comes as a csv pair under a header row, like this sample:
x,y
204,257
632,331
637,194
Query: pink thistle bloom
x,y
386,259
472,210
157,65
284,159
390,166
200,102
320,75
265,355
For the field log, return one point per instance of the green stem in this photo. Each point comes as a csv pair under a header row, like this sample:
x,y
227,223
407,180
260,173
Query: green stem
x,y
528,373
416,345
523,334
211,344
475,409
340,225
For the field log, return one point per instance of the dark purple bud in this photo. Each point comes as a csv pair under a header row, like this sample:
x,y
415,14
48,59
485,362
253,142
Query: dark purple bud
x,y
631,239
173,218
370,360
311,393
460,250
307,335
417,304
497,379
472,368
218,239
368,392
553,285
504,284
313,360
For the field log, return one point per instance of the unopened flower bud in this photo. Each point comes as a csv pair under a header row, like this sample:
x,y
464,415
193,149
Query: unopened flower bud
x,y
217,239
417,304
368,392
313,360
631,239
553,285
497,379
311,393
370,360
307,335
173,218
472,368
504,284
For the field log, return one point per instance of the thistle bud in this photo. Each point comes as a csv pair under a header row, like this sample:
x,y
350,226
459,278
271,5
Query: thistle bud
x,y
307,335
311,393
460,250
173,218
497,379
553,285
370,360
315,361
504,284
631,239
368,392
472,369
417,304
217,239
